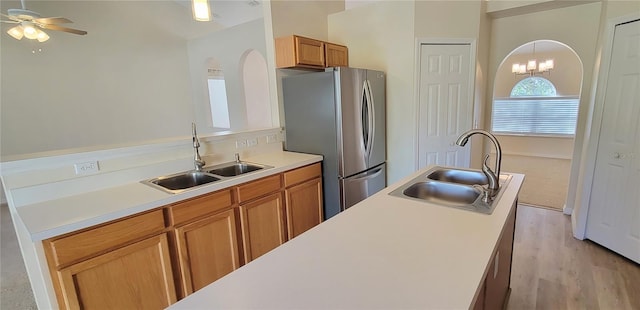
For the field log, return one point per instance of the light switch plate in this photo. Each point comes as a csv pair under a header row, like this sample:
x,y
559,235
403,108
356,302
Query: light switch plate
x,y
252,142
87,167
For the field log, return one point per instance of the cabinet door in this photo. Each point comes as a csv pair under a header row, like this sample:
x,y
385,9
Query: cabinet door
x,y
262,225
309,52
499,274
207,250
303,206
137,276
336,55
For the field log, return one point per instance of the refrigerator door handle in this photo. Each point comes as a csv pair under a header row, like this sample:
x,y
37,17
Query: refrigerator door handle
x,y
370,117
368,175
364,118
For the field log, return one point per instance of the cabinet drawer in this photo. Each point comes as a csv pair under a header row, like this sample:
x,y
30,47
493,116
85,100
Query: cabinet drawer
x,y
259,188
89,242
201,205
302,174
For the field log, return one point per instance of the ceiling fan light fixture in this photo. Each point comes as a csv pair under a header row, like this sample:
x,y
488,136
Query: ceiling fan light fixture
x,y
30,32
201,10
16,32
42,36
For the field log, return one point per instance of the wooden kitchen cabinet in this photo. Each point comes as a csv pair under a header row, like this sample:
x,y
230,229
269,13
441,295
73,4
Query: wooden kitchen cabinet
x,y
261,216
300,52
207,250
336,55
121,265
303,199
495,289
206,239
149,260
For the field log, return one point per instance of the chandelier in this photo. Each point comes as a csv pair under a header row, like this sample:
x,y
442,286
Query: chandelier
x,y
532,67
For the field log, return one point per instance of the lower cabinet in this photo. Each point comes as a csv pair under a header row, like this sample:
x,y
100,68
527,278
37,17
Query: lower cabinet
x,y
124,264
150,260
262,225
207,250
495,291
205,238
303,195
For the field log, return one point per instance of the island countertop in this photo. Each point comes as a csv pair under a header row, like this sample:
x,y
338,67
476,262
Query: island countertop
x,y
385,252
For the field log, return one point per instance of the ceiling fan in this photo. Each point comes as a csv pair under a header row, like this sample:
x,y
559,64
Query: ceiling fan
x,y
29,24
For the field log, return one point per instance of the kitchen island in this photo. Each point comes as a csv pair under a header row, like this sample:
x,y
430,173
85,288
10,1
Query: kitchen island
x,y
386,252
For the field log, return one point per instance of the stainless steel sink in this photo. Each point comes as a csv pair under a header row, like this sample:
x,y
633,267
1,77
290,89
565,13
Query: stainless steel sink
x,y
451,187
179,182
460,176
442,193
234,168
182,181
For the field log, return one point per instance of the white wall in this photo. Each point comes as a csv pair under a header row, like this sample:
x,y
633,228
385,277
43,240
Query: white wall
x,y
93,90
126,82
228,47
380,36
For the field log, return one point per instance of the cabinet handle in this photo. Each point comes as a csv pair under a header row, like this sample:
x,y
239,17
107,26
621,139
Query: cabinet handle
x,y
496,264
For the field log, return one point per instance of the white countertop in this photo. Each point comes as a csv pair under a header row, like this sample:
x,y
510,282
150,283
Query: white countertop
x,y
383,253
56,217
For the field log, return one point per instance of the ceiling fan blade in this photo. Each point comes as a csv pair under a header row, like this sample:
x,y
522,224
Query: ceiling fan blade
x,y
52,20
9,21
65,29
13,18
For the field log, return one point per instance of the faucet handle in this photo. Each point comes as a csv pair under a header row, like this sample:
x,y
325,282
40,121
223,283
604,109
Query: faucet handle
x,y
237,156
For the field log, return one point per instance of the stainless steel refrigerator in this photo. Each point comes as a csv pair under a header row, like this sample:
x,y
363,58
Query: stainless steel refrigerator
x,y
340,114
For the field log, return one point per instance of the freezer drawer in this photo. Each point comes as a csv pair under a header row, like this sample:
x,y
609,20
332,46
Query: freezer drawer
x,y
362,185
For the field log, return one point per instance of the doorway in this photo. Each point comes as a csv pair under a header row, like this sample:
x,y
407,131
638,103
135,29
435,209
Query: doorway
x,y
614,205
445,104
534,111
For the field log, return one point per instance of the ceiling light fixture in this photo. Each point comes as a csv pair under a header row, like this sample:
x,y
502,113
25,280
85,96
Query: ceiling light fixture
x,y
532,67
16,32
201,11
29,31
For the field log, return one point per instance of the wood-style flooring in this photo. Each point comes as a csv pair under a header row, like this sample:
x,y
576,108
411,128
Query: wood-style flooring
x,y
553,270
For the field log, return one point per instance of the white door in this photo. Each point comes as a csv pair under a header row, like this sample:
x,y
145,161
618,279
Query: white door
x,y
614,209
445,105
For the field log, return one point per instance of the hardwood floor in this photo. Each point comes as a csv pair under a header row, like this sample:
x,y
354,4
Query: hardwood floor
x,y
553,270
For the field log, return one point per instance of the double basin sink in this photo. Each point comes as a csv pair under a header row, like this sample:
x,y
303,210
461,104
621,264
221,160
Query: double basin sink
x,y
452,187
179,182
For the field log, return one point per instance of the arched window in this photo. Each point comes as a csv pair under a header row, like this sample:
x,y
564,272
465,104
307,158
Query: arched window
x,y
534,108
533,87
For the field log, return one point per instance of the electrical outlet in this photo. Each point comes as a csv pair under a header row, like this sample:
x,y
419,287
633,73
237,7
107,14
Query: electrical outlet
x,y
87,167
241,144
252,142
272,138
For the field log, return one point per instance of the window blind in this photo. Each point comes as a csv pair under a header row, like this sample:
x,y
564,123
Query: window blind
x,y
537,116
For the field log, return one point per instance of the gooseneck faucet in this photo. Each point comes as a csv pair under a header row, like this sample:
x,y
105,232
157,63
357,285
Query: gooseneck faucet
x,y
493,177
197,160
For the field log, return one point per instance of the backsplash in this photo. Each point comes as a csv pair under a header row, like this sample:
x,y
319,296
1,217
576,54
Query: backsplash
x,y
38,179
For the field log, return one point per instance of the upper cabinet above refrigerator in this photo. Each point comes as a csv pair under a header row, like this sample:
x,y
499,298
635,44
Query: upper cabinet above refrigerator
x,y
306,53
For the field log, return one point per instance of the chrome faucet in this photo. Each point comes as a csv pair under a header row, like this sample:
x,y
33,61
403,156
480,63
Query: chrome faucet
x,y
197,160
493,177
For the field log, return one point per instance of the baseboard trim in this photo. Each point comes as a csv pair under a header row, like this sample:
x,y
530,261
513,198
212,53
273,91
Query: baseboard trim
x,y
540,207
